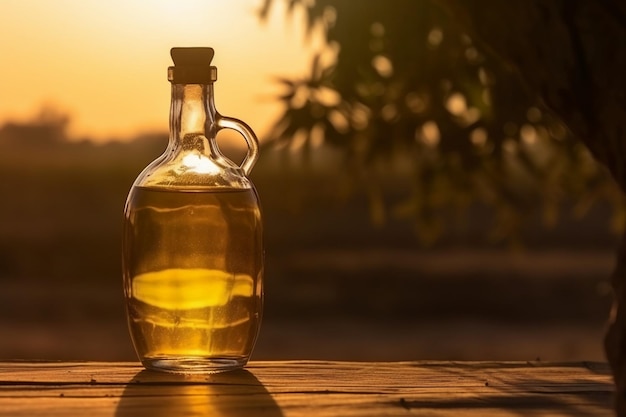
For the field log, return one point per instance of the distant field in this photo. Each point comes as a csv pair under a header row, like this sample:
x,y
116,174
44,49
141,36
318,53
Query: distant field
x,y
337,286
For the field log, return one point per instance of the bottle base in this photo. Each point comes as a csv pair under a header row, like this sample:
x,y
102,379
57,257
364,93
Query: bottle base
x,y
194,365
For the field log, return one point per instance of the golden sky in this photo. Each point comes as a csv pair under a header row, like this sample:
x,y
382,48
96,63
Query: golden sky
x,y
105,62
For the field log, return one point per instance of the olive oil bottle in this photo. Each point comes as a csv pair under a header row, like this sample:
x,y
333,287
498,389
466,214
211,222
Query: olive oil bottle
x,y
192,246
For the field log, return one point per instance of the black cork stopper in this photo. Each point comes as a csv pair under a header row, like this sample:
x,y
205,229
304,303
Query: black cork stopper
x,y
192,66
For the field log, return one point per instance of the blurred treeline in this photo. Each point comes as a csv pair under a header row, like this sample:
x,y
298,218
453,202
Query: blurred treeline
x,y
62,204
62,201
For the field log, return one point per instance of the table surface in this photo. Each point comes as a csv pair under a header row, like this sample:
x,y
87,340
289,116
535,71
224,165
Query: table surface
x,y
309,388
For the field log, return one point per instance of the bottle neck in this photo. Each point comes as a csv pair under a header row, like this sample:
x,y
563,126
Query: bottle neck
x,y
192,113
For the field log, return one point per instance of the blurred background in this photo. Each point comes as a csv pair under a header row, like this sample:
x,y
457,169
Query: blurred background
x,y
419,202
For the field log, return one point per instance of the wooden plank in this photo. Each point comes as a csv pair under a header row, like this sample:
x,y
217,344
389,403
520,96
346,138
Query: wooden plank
x,y
302,388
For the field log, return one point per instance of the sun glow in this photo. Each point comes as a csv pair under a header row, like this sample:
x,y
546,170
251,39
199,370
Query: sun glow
x,y
105,63
173,8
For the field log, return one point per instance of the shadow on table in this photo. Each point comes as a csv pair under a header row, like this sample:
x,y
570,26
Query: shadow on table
x,y
232,394
523,394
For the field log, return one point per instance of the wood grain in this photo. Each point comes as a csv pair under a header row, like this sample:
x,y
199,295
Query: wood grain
x,y
309,388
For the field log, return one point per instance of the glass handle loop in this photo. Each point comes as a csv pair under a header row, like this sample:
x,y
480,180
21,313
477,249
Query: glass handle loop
x,y
244,130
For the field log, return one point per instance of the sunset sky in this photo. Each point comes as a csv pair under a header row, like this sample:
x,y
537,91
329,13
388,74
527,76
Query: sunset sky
x,y
105,62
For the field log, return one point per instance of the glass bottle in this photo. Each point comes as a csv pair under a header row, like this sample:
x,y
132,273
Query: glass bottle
x,y
192,245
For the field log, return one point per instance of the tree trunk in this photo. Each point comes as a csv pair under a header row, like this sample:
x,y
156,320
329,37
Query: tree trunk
x,y
615,340
570,53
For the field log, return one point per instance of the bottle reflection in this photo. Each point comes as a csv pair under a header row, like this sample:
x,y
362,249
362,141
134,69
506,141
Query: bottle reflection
x,y
232,394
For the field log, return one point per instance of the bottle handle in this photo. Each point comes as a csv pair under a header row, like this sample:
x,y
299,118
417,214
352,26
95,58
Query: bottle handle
x,y
224,122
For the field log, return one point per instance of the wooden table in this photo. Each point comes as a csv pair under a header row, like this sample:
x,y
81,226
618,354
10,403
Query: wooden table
x,y
309,388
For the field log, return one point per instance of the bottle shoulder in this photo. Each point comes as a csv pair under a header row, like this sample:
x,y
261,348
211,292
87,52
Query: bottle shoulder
x,y
192,171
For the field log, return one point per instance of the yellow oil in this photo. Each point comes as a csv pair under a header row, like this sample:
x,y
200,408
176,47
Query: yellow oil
x,y
193,265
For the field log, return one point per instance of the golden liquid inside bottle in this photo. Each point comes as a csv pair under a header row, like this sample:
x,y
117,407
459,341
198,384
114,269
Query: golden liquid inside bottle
x,y
193,265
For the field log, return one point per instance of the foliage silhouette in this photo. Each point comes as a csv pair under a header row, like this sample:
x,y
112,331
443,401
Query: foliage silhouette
x,y
405,85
